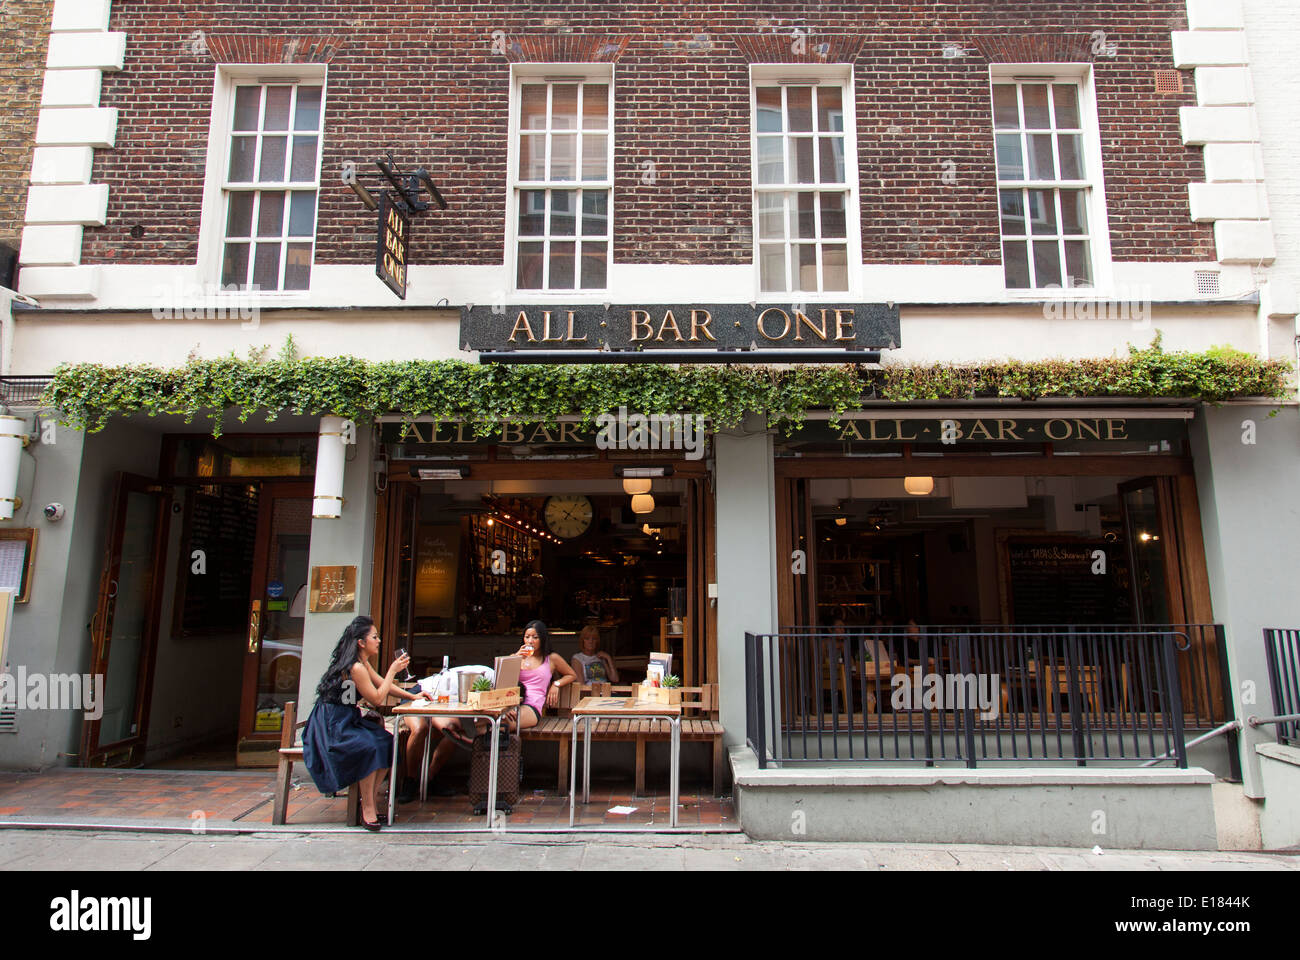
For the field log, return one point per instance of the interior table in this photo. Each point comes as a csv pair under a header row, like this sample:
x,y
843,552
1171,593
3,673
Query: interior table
x,y
590,709
461,711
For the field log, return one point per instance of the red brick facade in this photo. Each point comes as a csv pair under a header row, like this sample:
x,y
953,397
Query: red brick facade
x,y
430,81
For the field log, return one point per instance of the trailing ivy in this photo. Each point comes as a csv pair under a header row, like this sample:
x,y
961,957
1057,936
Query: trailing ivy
x,y
88,395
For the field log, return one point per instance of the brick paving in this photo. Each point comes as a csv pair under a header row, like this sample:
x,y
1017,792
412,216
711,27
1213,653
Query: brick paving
x,y
242,799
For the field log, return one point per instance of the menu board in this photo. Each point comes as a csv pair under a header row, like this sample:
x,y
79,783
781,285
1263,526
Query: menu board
x,y
437,561
1051,579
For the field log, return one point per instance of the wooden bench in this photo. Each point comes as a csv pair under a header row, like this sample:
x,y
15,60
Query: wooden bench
x,y
291,753
699,724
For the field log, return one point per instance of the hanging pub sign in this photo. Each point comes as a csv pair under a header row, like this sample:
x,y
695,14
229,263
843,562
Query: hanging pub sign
x,y
391,245
679,326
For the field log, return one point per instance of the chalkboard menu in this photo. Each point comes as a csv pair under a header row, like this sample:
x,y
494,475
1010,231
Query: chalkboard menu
x,y
436,565
1057,578
222,522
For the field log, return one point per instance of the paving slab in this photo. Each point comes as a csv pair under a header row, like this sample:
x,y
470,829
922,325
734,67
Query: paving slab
x,y
220,854
86,853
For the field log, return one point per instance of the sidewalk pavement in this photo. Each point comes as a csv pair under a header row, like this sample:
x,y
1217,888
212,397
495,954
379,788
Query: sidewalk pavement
x,y
31,849
240,802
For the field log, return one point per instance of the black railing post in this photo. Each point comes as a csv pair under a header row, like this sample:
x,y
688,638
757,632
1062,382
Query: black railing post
x,y
1174,700
1073,666
967,714
755,709
918,697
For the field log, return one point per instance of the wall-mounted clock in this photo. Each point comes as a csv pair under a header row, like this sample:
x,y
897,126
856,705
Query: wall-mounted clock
x,y
568,516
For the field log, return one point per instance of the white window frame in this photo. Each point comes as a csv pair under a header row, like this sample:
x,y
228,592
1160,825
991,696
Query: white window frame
x,y
1081,75
557,72
788,74
212,224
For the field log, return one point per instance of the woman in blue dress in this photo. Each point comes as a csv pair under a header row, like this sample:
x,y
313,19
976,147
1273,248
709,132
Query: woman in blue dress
x,y
339,746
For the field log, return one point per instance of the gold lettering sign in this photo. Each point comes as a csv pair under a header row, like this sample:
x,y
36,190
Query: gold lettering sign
x,y
983,431
333,590
390,255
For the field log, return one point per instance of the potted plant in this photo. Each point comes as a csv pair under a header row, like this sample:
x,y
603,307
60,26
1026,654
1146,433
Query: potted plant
x,y
483,697
669,691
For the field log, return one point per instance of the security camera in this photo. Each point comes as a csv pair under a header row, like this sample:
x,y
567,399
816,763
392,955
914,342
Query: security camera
x,y
54,511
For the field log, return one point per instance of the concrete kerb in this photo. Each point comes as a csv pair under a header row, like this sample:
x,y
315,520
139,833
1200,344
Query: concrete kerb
x,y
1128,808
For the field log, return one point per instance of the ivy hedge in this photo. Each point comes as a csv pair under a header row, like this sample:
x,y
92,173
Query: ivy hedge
x,y
88,395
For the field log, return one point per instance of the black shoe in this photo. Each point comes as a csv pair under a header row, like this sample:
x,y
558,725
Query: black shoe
x,y
410,790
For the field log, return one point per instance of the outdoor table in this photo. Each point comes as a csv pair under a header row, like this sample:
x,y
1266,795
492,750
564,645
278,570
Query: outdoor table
x,y
460,711
622,708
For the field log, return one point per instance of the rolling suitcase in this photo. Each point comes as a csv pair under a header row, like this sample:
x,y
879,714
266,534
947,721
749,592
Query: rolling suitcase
x,y
510,773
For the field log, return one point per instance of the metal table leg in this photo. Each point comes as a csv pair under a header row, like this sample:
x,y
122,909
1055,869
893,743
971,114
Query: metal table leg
x,y
573,770
492,772
674,779
392,776
586,761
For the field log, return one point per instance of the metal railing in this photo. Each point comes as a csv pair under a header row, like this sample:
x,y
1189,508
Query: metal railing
x,y
1282,648
22,390
978,694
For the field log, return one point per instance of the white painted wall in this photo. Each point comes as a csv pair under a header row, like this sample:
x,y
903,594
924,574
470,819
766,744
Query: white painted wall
x,y
930,334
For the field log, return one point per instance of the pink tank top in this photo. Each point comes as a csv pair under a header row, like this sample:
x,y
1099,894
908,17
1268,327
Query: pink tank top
x,y
535,683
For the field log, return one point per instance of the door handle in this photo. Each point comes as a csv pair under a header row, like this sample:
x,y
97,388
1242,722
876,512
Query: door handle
x,y
255,626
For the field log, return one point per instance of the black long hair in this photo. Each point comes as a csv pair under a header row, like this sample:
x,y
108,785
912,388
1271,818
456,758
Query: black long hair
x,y
543,641
346,653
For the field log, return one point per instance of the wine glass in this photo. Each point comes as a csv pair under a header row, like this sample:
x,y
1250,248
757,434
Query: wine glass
x,y
408,678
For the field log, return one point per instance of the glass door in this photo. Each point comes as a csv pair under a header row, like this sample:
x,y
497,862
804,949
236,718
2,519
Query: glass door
x,y
124,629
1147,539
277,609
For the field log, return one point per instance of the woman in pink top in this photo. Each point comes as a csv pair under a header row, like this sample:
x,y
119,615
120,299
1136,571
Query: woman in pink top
x,y
536,673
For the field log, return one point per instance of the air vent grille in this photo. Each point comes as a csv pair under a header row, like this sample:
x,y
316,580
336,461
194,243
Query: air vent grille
x,y
8,720
1169,81
1207,283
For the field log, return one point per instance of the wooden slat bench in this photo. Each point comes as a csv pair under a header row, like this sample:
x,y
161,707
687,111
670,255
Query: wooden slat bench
x,y
699,724
291,753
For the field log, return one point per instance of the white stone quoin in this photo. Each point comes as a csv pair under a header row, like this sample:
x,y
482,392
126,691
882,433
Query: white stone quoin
x,y
62,164
53,246
69,127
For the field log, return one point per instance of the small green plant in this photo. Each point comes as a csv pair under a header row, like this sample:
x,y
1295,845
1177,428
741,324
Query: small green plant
x,y
672,680
481,685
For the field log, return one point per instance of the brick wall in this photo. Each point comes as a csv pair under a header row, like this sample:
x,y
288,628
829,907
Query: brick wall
x,y
24,33
423,80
